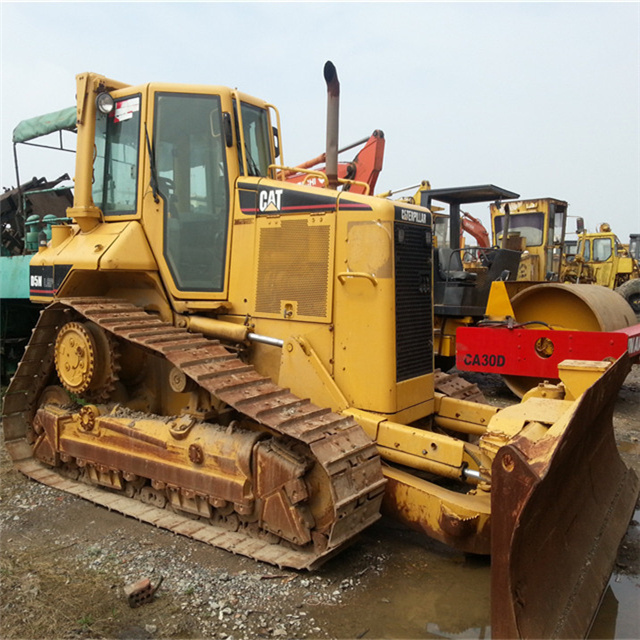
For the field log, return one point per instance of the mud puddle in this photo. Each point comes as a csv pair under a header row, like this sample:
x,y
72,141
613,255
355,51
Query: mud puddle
x,y
428,591
425,591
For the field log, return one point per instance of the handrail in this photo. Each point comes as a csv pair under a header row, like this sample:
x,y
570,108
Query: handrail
x,y
280,172
357,274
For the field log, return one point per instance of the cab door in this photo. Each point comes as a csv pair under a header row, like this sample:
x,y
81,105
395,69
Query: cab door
x,y
603,257
190,158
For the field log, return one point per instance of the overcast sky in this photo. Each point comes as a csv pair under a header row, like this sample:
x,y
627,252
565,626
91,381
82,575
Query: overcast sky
x,y
539,98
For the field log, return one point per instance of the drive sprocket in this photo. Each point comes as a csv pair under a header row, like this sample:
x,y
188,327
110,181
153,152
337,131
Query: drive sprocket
x,y
86,360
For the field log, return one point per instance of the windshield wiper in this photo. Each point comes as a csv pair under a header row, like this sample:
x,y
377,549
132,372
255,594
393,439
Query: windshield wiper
x,y
152,166
251,164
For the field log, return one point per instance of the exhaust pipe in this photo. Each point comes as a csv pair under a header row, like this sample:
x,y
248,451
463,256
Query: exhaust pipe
x,y
333,113
505,226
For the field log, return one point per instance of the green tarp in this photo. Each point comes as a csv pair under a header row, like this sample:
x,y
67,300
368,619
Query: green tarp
x,y
42,125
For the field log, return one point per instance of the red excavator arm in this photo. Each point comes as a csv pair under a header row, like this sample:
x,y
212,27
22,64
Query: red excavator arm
x,y
474,227
365,167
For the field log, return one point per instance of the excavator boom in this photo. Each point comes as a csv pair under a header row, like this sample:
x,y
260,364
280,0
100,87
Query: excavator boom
x,y
364,169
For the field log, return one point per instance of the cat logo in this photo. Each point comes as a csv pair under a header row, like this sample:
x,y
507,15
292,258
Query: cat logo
x,y
270,200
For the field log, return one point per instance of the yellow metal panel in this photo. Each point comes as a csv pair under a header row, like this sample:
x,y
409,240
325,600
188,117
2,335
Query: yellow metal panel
x,y
422,444
370,248
130,251
499,304
417,395
303,372
579,375
625,265
364,310
242,274
83,250
464,411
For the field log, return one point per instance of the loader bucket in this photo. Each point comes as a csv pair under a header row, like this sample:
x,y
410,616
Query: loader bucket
x,y
560,509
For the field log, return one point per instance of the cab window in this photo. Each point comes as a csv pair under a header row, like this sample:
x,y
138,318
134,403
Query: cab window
x,y
601,249
441,230
115,168
257,147
529,225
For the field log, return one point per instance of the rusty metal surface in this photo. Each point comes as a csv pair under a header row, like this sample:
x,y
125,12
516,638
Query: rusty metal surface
x,y
458,520
560,509
354,481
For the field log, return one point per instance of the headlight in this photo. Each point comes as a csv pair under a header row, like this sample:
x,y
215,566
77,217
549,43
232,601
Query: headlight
x,y
104,103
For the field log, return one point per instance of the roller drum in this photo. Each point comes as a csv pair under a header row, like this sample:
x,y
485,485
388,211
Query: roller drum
x,y
567,307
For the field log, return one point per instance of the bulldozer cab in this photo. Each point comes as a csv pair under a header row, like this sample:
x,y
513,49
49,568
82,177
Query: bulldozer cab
x,y
536,227
166,155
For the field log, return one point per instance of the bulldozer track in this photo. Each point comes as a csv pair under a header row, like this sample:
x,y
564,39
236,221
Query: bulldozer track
x,y
454,386
337,443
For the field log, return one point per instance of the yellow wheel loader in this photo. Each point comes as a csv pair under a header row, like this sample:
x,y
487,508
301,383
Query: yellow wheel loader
x,y
249,363
602,259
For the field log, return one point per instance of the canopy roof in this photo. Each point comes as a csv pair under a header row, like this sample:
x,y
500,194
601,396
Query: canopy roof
x,y
63,120
468,195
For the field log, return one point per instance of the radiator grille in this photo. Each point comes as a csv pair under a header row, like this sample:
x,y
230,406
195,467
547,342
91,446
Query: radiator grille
x,y
293,266
414,338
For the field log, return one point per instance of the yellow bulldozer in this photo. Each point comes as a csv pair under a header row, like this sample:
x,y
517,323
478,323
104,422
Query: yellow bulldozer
x,y
249,362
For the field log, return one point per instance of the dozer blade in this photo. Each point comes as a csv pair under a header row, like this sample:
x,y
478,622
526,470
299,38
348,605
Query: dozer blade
x,y
560,509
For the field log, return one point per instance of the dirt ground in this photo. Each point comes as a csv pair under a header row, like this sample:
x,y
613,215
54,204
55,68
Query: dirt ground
x,y
64,563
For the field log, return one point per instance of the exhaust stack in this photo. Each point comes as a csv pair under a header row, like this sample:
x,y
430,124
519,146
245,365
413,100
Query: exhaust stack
x,y
333,114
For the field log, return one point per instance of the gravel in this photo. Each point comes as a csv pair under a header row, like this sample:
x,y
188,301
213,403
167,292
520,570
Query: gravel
x,y
219,602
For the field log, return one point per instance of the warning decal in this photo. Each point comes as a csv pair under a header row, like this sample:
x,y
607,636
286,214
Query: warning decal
x,y
126,108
